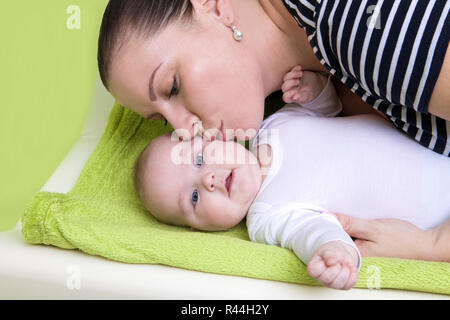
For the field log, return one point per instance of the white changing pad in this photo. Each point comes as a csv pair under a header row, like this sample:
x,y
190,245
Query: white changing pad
x,y
46,272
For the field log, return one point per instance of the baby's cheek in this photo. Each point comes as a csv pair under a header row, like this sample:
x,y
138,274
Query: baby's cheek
x,y
246,189
250,184
213,211
225,214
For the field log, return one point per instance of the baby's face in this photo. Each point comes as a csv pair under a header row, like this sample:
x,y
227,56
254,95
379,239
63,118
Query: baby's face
x,y
206,185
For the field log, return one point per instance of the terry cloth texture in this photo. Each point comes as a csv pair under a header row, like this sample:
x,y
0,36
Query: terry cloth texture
x,y
102,216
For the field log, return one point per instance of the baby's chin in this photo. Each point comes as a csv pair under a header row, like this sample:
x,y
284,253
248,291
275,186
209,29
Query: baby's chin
x,y
217,228
224,226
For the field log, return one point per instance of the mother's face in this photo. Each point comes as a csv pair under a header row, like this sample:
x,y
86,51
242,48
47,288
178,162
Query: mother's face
x,y
190,75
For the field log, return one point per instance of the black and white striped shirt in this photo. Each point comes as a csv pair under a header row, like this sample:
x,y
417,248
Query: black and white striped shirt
x,y
389,53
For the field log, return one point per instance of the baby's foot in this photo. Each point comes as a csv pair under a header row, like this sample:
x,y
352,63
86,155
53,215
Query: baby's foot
x,y
301,86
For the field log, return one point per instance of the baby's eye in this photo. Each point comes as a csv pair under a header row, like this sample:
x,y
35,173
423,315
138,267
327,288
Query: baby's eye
x,y
199,160
194,197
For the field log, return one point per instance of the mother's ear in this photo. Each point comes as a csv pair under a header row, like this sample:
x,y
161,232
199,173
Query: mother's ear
x,y
218,9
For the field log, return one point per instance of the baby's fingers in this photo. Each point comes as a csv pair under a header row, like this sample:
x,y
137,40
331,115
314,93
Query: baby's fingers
x,y
295,73
316,266
330,257
288,96
352,279
330,274
290,84
341,279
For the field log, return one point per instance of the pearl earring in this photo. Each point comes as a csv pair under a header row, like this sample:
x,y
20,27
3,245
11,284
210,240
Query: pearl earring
x,y
237,34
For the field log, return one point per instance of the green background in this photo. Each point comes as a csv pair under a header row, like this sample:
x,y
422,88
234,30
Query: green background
x,y
47,73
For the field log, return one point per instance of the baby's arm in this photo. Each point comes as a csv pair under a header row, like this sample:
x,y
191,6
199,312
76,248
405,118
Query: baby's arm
x,y
315,236
312,91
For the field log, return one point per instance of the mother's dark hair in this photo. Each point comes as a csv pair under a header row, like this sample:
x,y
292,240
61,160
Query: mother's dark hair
x,y
124,19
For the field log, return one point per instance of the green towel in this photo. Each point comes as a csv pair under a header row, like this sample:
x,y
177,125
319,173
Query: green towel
x,y
102,216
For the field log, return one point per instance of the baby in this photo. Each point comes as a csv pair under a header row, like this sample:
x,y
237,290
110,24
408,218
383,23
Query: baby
x,y
303,164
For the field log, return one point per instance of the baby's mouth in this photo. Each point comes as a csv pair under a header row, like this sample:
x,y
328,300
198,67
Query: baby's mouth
x,y
228,182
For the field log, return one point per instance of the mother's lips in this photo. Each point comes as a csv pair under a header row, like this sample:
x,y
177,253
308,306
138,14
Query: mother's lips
x,y
222,132
215,133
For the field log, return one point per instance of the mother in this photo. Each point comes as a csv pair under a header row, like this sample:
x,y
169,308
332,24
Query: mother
x,y
178,60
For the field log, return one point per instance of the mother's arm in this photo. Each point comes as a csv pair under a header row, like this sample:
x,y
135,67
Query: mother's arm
x,y
440,99
439,103
441,241
398,239
352,104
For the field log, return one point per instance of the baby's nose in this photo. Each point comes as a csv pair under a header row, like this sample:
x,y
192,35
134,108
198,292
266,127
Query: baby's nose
x,y
208,181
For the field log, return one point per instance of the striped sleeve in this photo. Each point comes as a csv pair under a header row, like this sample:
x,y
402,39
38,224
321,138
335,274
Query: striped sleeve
x,y
390,53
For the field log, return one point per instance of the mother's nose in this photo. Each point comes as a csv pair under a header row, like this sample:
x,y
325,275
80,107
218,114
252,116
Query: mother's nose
x,y
186,125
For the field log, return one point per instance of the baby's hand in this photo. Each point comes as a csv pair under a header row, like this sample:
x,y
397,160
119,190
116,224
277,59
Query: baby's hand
x,y
334,264
302,86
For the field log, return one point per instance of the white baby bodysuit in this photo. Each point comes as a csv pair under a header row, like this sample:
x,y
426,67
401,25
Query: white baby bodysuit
x,y
360,166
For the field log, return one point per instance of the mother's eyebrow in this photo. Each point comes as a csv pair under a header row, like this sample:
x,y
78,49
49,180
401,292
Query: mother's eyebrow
x,y
150,84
